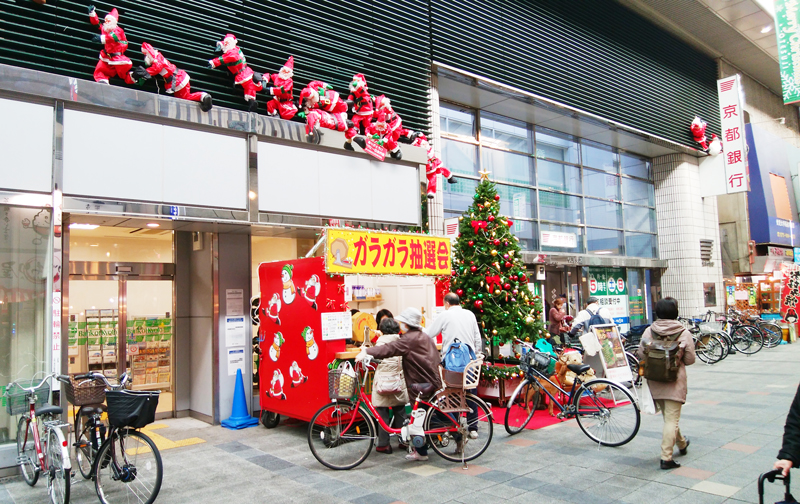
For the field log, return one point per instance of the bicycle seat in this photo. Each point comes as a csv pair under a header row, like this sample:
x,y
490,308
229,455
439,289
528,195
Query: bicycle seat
x,y
579,369
422,388
48,410
92,409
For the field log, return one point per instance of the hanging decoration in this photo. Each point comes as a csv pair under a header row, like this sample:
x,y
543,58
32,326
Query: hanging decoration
x,y
233,59
282,103
322,107
113,62
176,81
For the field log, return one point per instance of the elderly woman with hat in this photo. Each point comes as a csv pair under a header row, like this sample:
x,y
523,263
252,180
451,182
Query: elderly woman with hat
x,y
420,358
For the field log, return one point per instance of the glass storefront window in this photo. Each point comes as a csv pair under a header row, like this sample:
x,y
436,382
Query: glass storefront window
x,y
558,176
638,192
600,185
560,207
641,245
604,241
553,145
24,271
640,219
508,167
460,157
634,166
599,156
603,213
458,197
528,234
578,232
503,133
517,201
456,121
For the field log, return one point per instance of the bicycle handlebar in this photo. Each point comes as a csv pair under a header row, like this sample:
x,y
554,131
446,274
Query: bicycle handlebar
x,y
95,375
33,389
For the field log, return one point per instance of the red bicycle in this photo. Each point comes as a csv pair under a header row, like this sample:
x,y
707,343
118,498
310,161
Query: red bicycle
x,y
341,434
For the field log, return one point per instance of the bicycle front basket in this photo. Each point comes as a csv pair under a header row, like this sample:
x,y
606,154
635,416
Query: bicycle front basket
x,y
127,408
85,392
341,385
17,398
710,327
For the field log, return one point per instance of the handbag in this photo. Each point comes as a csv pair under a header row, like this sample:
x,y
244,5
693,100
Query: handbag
x,y
647,404
388,383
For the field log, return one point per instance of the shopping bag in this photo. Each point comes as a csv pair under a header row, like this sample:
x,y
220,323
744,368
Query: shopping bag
x,y
646,403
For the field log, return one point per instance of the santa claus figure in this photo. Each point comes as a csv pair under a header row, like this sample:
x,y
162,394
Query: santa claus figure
x,y
297,376
698,128
322,108
175,79
273,309
362,109
311,291
434,166
282,103
381,132
233,59
394,124
113,62
276,386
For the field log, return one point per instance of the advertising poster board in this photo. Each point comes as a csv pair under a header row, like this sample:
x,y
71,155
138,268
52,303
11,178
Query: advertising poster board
x,y
612,353
609,285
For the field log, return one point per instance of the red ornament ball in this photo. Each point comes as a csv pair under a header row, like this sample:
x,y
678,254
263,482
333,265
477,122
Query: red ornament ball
x,y
473,269
470,243
507,286
460,292
478,304
508,264
510,223
497,242
522,278
497,197
491,218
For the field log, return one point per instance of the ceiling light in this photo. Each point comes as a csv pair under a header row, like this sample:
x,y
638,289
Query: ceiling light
x,y
766,29
604,252
252,195
153,224
75,225
94,245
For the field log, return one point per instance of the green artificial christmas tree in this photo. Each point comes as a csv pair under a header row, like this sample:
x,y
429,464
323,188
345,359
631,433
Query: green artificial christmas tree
x,y
489,275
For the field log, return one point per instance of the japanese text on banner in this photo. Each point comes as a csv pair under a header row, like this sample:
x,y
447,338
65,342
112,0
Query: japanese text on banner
x,y
375,253
732,121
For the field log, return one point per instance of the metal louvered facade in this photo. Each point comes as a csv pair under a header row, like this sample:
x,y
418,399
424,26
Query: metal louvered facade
x,y
330,41
595,55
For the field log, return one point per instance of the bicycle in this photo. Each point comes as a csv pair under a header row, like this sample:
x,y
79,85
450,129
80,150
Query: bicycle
x,y
746,338
341,434
602,407
87,398
770,331
709,344
127,466
38,454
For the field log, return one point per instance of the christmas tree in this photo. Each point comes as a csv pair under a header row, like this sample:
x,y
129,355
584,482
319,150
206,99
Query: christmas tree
x,y
489,275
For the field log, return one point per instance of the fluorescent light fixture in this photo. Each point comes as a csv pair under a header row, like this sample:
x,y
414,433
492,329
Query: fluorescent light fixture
x,y
600,252
75,225
766,29
94,245
153,224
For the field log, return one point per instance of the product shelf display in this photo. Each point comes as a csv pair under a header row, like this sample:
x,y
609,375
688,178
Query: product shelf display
x,y
150,352
93,342
305,324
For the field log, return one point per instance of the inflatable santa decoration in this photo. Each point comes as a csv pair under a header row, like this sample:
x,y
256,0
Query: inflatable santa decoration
x,y
322,107
698,128
113,62
175,79
233,59
282,103
394,124
434,165
362,109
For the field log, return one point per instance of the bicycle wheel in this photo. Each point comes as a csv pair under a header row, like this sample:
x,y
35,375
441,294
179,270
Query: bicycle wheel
x,y
522,406
341,437
633,363
607,412
772,332
26,452
58,478
128,469
457,431
83,449
708,348
727,343
746,341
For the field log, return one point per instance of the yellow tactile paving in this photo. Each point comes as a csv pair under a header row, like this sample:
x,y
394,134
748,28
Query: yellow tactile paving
x,y
163,443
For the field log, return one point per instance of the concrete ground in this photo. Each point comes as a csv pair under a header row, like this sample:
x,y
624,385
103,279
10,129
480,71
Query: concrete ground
x,y
734,416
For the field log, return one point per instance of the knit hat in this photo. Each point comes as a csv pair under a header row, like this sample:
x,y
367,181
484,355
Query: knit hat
x,y
411,317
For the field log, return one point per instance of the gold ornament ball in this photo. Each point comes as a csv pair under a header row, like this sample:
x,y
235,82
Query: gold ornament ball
x,y
461,218
529,320
493,252
494,332
497,291
511,252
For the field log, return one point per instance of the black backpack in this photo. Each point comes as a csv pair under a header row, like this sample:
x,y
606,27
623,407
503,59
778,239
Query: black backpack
x,y
662,359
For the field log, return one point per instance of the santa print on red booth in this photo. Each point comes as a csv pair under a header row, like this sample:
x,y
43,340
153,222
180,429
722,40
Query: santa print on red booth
x,y
233,59
276,385
113,62
176,80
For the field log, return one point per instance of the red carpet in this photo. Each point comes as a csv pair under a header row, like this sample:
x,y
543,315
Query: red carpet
x,y
541,418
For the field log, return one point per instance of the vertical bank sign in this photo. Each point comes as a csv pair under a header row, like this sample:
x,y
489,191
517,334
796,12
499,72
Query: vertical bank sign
x,y
787,30
733,139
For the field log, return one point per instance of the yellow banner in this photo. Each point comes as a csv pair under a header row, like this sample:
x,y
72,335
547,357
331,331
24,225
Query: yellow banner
x,y
349,251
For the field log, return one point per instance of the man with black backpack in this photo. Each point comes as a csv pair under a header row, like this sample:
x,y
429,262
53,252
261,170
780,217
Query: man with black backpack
x,y
590,316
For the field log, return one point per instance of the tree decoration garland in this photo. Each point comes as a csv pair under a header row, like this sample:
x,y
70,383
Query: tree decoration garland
x,y
491,374
489,274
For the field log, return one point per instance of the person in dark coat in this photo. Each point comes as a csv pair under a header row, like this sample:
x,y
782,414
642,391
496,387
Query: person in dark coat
x,y
789,456
420,358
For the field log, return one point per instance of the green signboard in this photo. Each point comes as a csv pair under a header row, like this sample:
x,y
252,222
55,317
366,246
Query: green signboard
x,y
787,29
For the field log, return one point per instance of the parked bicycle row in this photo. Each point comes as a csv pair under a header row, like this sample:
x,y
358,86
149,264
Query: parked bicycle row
x,y
718,335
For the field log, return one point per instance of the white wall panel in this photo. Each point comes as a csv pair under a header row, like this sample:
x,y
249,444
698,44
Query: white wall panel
x,y
395,193
112,158
345,183
26,141
204,169
288,179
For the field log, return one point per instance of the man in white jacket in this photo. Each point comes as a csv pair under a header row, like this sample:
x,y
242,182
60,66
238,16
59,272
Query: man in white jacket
x,y
456,323
581,323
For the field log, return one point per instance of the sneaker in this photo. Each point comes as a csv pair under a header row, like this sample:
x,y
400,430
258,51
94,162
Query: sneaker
x,y
473,434
414,456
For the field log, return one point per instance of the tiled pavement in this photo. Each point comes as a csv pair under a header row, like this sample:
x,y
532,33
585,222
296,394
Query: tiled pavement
x,y
734,417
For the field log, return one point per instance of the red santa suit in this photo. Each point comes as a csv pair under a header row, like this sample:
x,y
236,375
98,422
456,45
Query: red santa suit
x,y
362,106
434,165
233,59
176,80
383,105
113,62
324,107
282,103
